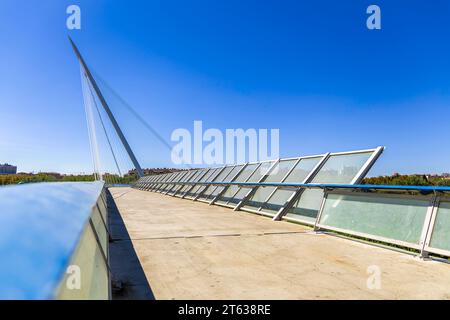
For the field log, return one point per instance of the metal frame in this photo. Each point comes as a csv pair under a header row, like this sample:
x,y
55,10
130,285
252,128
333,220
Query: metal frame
x,y
226,203
252,191
290,202
261,179
177,177
195,177
203,173
376,152
178,185
209,176
206,180
427,248
219,194
231,204
154,187
213,177
214,187
369,163
170,184
165,179
260,210
152,184
181,176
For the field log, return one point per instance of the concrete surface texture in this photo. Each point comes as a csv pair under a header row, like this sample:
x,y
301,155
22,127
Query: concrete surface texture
x,y
190,250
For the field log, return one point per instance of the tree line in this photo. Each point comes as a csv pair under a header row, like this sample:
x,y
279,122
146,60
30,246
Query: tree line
x,y
409,180
109,178
131,177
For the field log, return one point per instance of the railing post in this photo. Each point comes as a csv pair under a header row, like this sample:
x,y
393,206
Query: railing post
x,y
322,205
428,226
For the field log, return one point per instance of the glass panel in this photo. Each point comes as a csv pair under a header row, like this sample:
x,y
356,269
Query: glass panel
x,y
185,178
157,177
255,177
276,175
440,238
195,178
207,178
341,168
145,182
100,229
230,177
298,175
151,186
179,178
173,178
203,178
168,177
242,177
103,209
160,178
152,180
190,178
398,218
94,273
165,178
227,172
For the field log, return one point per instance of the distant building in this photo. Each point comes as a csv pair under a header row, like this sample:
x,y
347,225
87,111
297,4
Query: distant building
x,y
7,169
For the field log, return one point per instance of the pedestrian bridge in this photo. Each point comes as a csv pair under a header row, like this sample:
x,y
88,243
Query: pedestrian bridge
x,y
299,228
85,241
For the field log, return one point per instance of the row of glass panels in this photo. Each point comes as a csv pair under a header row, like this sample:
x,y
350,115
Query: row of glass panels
x,y
418,222
301,205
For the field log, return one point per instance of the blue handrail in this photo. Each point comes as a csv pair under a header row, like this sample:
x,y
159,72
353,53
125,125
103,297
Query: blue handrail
x,y
317,186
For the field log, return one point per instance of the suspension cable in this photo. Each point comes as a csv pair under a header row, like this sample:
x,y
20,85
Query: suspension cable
x,y
104,130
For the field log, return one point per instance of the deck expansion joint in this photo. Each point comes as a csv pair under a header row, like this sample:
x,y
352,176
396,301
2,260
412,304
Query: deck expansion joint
x,y
208,236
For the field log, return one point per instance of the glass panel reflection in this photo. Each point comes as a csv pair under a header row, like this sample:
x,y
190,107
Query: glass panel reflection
x,y
339,168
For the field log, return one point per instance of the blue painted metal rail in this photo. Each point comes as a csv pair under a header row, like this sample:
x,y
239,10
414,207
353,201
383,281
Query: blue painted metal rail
x,y
317,186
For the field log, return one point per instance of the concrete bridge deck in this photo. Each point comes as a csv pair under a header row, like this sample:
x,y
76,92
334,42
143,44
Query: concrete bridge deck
x,y
170,248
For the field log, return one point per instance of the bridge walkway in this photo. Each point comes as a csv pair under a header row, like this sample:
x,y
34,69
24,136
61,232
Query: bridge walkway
x,y
169,248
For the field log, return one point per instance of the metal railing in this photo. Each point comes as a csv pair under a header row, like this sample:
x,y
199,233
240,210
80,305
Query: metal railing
x,y
426,199
404,219
240,186
322,191
300,190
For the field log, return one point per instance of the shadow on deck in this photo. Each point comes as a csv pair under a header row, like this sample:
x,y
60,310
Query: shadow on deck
x,y
129,280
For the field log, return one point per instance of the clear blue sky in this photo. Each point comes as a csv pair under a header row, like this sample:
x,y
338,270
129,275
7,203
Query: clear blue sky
x,y
311,69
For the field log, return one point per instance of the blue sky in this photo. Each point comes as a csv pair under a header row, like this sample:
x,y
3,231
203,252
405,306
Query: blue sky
x,y
311,69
